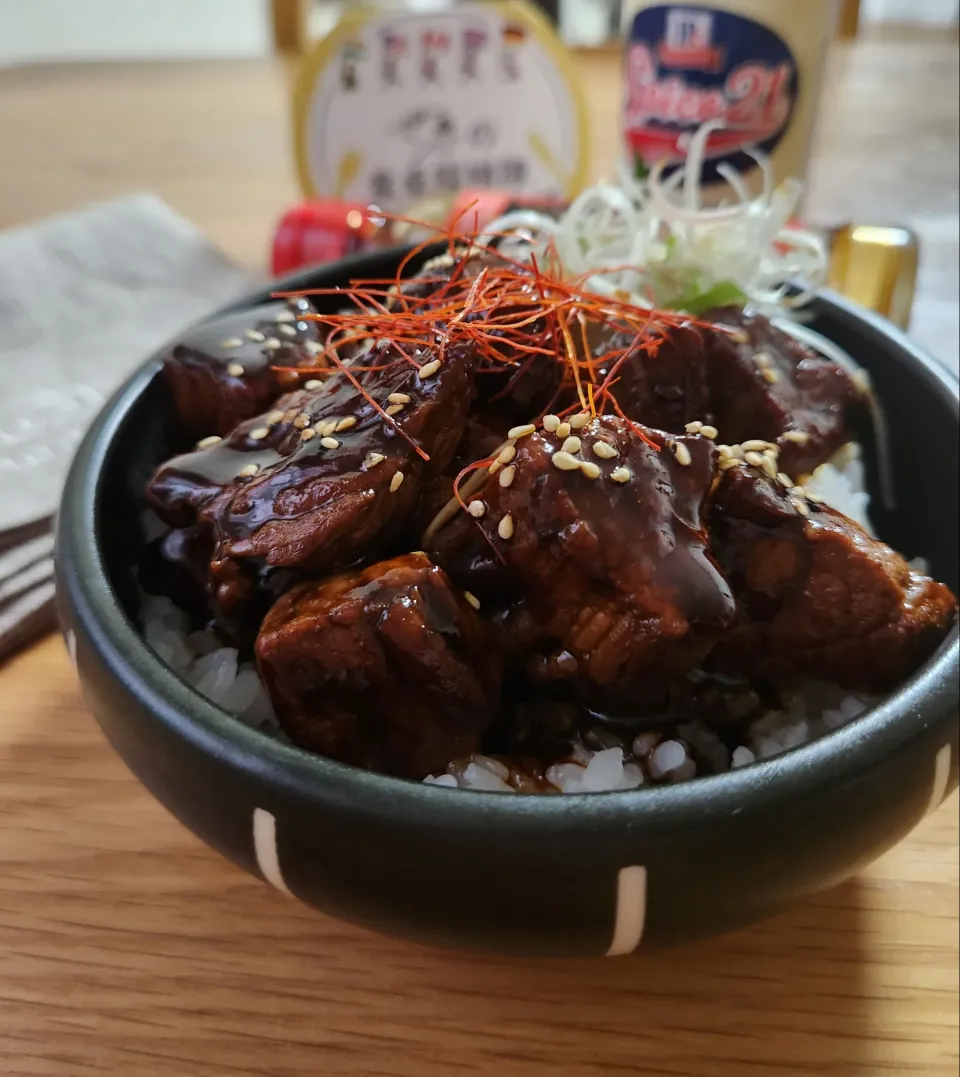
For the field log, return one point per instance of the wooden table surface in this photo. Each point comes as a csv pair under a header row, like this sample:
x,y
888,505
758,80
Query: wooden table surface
x,y
128,948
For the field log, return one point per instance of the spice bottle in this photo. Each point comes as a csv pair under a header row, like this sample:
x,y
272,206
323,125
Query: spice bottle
x,y
754,66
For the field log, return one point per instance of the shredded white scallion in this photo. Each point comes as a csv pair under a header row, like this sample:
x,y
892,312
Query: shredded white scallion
x,y
656,242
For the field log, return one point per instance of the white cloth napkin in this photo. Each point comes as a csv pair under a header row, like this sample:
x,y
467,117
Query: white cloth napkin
x,y
84,298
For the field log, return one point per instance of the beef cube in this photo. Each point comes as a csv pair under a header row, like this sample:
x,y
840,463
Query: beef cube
x,y
388,668
765,384
225,371
602,537
818,597
324,480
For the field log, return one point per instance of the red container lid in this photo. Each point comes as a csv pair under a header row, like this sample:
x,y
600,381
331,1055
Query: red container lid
x,y
315,232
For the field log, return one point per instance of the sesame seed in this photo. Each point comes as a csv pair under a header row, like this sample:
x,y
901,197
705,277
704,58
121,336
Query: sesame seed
x,y
507,453
394,409
494,467
248,472
505,527
784,480
259,434
769,467
740,336
308,435
289,416
621,474
313,383
754,459
235,370
472,599
755,445
815,498
571,444
798,437
727,462
682,453
797,491
231,342
521,431
580,420
694,428
772,451
565,462
506,476
604,450
550,423
206,443
285,316
255,335
590,469
330,443
861,379
301,420
476,509
274,417
396,481
272,344
398,398
373,458
345,424
314,347
709,432
763,359
429,369
287,330
563,430
800,506
725,450
771,377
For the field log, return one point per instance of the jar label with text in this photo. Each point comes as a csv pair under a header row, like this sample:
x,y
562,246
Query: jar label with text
x,y
685,65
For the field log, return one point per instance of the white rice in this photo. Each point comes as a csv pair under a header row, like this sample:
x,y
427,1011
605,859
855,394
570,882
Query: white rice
x,y
841,482
202,661
217,673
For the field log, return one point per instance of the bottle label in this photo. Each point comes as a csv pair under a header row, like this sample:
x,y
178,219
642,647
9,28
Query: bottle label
x,y
685,65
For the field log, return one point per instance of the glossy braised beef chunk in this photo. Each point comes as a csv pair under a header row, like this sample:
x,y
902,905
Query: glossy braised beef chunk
x,y
324,480
665,388
751,381
388,668
818,597
765,384
224,371
602,535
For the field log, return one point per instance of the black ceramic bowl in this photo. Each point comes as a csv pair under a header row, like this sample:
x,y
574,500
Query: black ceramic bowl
x,y
581,874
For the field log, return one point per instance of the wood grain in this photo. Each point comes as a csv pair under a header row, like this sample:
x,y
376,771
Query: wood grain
x,y
127,949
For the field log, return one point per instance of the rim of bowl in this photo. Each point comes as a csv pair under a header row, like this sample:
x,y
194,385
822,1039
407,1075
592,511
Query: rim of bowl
x,y
903,714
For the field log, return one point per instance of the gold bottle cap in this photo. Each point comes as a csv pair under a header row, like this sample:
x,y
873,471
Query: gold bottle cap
x,y
875,266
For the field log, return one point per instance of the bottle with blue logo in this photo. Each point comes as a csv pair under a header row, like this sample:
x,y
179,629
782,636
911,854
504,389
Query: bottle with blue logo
x,y
752,66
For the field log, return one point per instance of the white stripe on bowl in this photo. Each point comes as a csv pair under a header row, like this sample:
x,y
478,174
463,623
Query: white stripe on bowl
x,y
631,910
71,641
265,846
941,776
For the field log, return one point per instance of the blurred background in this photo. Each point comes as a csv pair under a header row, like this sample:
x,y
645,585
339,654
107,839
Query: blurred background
x,y
39,30
192,100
